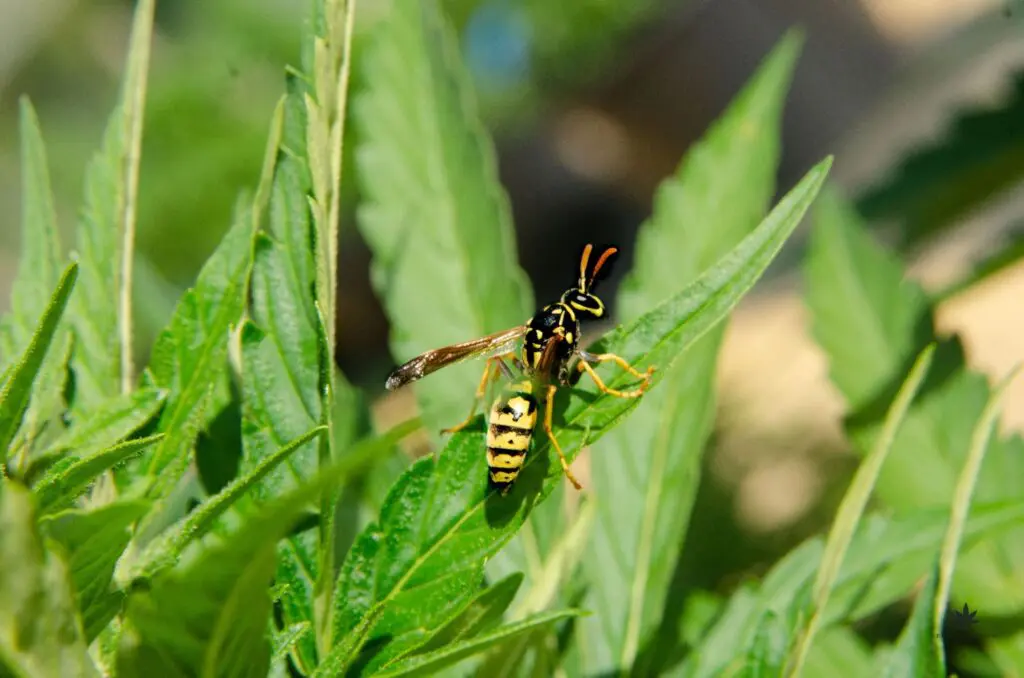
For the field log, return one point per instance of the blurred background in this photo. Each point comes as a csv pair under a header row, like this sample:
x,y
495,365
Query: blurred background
x,y
591,103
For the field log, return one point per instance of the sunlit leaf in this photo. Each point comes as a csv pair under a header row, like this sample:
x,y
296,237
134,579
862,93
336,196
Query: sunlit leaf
x,y
18,388
887,554
434,215
851,510
282,356
440,521
164,551
646,472
39,271
209,617
63,484
871,320
106,233
427,664
192,352
481,614
109,423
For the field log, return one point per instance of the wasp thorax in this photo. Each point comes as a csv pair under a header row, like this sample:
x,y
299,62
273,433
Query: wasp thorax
x,y
583,302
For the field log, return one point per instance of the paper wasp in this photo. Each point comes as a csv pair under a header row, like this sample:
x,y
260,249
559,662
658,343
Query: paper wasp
x,y
551,339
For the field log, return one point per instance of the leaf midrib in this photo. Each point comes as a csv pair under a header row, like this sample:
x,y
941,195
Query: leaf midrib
x,y
655,484
436,159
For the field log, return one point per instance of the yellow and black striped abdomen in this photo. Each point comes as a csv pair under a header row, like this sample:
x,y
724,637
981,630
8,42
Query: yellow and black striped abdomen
x,y
509,430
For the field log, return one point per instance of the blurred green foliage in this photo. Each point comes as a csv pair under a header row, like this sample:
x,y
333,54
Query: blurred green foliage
x,y
169,504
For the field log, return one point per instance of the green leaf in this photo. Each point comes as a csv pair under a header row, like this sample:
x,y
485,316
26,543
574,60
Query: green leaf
x,y
866,314
904,545
18,388
966,485
39,271
918,650
430,663
283,361
768,651
326,108
165,550
646,472
93,541
191,354
40,632
532,552
870,321
105,236
851,509
210,617
551,581
110,422
482,614
65,483
433,212
327,62
980,154
427,664
840,652
440,522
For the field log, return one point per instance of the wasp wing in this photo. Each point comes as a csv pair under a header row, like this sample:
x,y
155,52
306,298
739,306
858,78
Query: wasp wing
x,y
431,361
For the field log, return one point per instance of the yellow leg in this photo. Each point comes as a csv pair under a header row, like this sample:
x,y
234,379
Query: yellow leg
x,y
491,370
584,366
550,398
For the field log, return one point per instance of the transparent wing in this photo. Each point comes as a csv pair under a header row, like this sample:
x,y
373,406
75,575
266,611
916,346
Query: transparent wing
x,y
431,361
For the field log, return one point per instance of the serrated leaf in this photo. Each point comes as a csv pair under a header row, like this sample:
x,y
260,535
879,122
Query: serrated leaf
x,y
440,519
426,664
480,615
191,354
110,422
880,545
433,213
105,235
551,583
40,632
282,356
326,109
39,271
979,154
93,540
646,472
64,484
210,617
165,550
870,320
531,551
18,388
850,511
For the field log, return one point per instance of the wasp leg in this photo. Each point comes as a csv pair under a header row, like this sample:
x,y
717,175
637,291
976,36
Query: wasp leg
x,y
550,398
584,366
495,364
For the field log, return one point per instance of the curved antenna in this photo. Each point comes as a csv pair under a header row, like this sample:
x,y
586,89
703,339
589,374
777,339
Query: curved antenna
x,y
584,259
597,267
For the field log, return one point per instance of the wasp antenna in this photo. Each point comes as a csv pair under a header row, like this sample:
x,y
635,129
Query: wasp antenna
x,y
584,260
607,254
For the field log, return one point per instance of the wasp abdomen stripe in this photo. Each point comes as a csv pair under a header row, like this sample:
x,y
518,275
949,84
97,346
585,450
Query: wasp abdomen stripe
x,y
504,459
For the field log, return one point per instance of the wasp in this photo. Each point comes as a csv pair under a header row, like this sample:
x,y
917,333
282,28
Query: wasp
x,y
550,344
